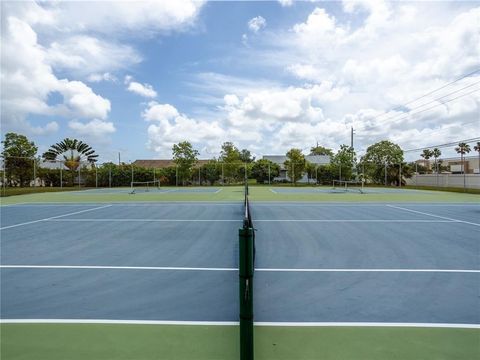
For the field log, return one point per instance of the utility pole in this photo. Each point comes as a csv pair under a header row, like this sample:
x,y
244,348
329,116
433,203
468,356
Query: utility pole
x,y
351,137
119,158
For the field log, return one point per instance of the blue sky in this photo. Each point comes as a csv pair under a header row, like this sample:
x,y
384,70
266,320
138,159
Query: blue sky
x,y
137,77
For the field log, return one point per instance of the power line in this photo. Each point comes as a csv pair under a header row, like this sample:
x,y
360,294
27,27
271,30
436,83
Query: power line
x,y
429,93
444,145
432,101
405,115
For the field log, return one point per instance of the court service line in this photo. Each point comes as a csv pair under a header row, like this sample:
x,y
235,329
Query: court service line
x,y
146,220
234,323
436,216
356,220
216,192
273,191
54,217
178,268
95,267
259,220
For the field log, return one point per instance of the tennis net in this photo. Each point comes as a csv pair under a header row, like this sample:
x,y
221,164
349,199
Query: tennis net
x,y
246,271
144,186
348,186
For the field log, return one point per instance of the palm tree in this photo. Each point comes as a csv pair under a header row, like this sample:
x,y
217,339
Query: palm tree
x,y
477,149
72,152
426,154
462,149
436,153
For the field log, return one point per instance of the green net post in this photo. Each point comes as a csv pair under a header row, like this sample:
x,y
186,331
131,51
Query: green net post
x,y
246,269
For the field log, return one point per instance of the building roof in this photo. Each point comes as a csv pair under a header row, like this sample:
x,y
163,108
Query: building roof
x,y
314,159
163,163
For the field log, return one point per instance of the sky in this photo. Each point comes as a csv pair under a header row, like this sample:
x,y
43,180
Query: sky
x,y
137,77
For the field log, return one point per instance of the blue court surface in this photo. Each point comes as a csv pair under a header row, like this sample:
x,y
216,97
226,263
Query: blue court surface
x,y
315,263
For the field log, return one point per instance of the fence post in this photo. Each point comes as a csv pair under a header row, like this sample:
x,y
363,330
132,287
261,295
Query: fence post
x,y
400,175
96,177
34,173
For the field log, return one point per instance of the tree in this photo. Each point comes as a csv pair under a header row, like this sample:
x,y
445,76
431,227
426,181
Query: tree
x,y
320,150
184,156
376,160
311,170
427,154
264,169
295,164
246,156
462,149
71,152
344,161
477,149
211,172
19,156
233,167
436,153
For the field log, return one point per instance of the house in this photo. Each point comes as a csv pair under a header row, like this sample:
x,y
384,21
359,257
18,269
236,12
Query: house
x,y
317,160
454,165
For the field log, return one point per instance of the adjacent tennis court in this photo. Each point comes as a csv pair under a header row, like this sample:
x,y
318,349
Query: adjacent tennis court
x,y
158,279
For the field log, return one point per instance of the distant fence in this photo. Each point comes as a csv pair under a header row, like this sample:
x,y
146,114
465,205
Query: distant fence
x,y
472,181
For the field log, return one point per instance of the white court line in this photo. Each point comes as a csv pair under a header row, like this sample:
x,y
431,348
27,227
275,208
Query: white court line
x,y
273,191
216,192
356,220
21,203
173,268
371,270
124,204
145,220
436,216
177,268
235,323
259,220
368,324
54,217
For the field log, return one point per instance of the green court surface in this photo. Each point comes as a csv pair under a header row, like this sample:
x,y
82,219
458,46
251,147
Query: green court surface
x,y
235,193
142,342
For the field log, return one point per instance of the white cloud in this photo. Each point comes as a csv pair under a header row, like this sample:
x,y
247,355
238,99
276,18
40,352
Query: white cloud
x,y
102,77
160,112
170,127
257,23
82,101
144,90
85,55
28,80
96,129
306,71
142,18
286,3
245,39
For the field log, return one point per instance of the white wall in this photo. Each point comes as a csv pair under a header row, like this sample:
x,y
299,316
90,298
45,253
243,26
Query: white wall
x,y
472,181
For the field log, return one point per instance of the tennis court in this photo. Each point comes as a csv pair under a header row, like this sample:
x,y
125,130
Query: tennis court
x,y
324,272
